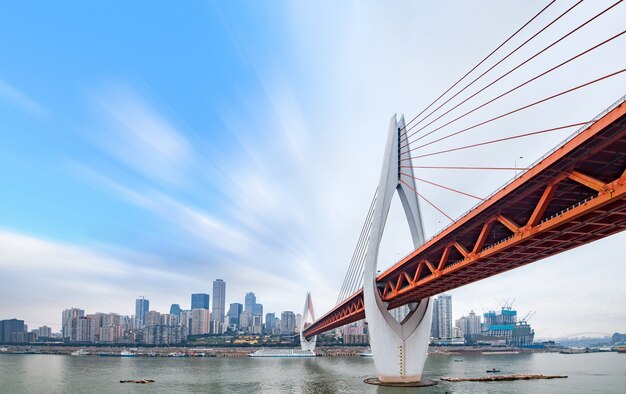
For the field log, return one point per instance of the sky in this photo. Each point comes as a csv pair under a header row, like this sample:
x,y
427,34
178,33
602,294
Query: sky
x,y
149,148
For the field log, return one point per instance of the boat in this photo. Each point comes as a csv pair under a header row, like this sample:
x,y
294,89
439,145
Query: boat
x,y
621,349
499,352
296,353
79,352
367,353
493,370
458,360
123,353
127,353
574,350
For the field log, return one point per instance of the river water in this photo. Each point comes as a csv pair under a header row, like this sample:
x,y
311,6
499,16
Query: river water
x,y
588,373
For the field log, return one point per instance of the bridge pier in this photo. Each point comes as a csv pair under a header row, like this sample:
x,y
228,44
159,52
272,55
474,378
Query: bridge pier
x,y
307,344
399,348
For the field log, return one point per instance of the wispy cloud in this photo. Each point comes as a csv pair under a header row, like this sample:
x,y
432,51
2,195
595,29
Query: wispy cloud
x,y
217,235
15,97
140,137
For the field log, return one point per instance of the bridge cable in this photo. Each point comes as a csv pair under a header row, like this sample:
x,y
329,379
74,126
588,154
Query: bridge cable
x,y
442,186
351,266
427,200
357,278
510,90
520,109
501,140
476,66
360,256
490,68
353,277
359,245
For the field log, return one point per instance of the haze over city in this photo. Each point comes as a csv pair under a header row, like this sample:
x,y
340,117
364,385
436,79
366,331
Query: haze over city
x,y
245,143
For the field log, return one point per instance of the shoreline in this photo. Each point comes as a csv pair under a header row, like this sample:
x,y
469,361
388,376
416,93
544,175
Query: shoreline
x,y
242,351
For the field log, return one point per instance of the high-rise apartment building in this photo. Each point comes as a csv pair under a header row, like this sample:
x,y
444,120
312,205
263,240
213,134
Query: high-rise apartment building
x,y
298,322
66,320
444,316
434,327
199,301
200,321
185,323
219,304
44,332
245,320
469,325
142,306
287,323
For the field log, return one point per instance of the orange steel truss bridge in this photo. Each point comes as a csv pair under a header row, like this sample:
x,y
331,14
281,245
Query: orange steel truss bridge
x,y
573,195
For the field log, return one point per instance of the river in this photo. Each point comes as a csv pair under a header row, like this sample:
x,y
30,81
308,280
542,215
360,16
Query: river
x,y
588,373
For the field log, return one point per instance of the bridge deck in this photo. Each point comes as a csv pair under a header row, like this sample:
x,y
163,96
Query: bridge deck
x,y
575,195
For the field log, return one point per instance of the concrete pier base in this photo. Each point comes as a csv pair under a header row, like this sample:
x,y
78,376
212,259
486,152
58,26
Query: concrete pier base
x,y
421,383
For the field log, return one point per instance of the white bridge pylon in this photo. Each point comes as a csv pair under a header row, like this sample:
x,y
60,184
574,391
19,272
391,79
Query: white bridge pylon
x,y
308,316
399,348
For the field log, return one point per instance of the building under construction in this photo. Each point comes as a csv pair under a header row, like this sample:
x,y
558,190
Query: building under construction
x,y
503,324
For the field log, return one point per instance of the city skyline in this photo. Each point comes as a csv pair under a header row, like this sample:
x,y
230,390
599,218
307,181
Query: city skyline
x,y
143,160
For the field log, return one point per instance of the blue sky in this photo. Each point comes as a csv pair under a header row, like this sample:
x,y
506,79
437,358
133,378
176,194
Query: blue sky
x,y
148,148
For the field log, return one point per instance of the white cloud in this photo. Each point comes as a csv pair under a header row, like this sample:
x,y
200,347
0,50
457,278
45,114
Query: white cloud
x,y
41,277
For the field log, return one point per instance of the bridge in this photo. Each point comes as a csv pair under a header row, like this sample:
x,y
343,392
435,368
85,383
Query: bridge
x,y
573,195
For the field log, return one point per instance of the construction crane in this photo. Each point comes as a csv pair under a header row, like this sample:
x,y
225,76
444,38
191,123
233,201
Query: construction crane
x,y
528,316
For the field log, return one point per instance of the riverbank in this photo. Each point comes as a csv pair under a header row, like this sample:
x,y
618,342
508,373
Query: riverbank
x,y
172,351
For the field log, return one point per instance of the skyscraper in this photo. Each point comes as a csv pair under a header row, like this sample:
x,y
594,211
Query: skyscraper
x,y
270,322
141,311
257,310
199,301
250,302
219,303
234,312
175,310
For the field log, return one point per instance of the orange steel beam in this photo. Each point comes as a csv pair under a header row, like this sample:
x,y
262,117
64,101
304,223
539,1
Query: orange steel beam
x,y
541,207
430,266
461,249
558,215
444,257
587,181
508,223
482,237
